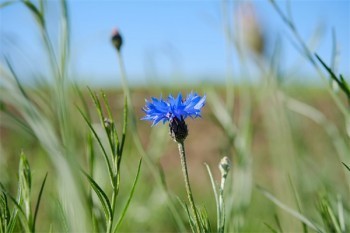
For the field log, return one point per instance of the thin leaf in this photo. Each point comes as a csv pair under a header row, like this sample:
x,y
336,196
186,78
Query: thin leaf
x,y
270,227
278,222
102,121
341,81
130,197
297,200
328,215
213,185
62,217
14,74
204,220
125,124
101,196
4,212
289,210
38,201
112,133
101,146
347,167
91,148
12,199
341,214
36,13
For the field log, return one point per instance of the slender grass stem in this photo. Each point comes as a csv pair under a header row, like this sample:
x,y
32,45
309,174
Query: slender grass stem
x,y
181,147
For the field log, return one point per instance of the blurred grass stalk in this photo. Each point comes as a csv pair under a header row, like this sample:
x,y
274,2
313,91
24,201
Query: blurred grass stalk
x,y
58,145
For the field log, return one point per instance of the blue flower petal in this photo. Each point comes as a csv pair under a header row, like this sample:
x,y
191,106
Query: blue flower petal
x,y
161,110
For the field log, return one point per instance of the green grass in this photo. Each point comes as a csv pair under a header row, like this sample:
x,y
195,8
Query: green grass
x,y
78,159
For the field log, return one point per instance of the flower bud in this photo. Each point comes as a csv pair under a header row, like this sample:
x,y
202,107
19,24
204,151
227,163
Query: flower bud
x,y
250,28
107,123
224,166
178,129
117,39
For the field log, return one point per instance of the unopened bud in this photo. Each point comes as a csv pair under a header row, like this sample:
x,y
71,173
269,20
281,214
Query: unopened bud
x,y
225,166
117,39
251,28
107,123
178,129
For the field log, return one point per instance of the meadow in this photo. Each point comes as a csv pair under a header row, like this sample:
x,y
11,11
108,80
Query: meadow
x,y
80,159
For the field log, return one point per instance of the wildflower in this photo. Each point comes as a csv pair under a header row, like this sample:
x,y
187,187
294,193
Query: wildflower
x,y
117,39
174,110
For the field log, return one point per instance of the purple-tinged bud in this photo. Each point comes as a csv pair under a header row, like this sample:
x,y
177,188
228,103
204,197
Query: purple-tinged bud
x,y
117,39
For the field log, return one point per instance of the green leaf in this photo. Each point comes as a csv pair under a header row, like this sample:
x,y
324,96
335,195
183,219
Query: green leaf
x,y
215,195
297,200
17,208
101,196
36,13
294,213
130,197
347,167
38,201
101,146
204,220
340,81
112,133
328,215
270,227
4,212
125,124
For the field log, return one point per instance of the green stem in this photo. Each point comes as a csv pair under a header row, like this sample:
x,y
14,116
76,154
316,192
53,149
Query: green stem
x,y
221,206
123,78
114,197
187,183
139,145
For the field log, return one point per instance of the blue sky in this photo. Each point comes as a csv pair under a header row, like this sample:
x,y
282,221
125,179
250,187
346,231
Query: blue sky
x,y
164,39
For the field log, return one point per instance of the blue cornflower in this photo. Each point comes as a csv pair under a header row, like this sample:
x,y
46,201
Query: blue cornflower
x,y
173,108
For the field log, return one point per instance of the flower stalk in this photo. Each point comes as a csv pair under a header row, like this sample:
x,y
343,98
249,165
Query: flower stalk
x,y
182,153
224,166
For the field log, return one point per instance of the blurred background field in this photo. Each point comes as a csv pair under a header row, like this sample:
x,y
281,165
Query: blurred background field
x,y
272,107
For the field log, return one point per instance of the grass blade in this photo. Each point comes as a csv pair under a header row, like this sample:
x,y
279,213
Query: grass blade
x,y
36,13
340,81
101,196
347,167
328,216
102,120
294,213
38,201
270,228
130,197
215,195
125,123
101,146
